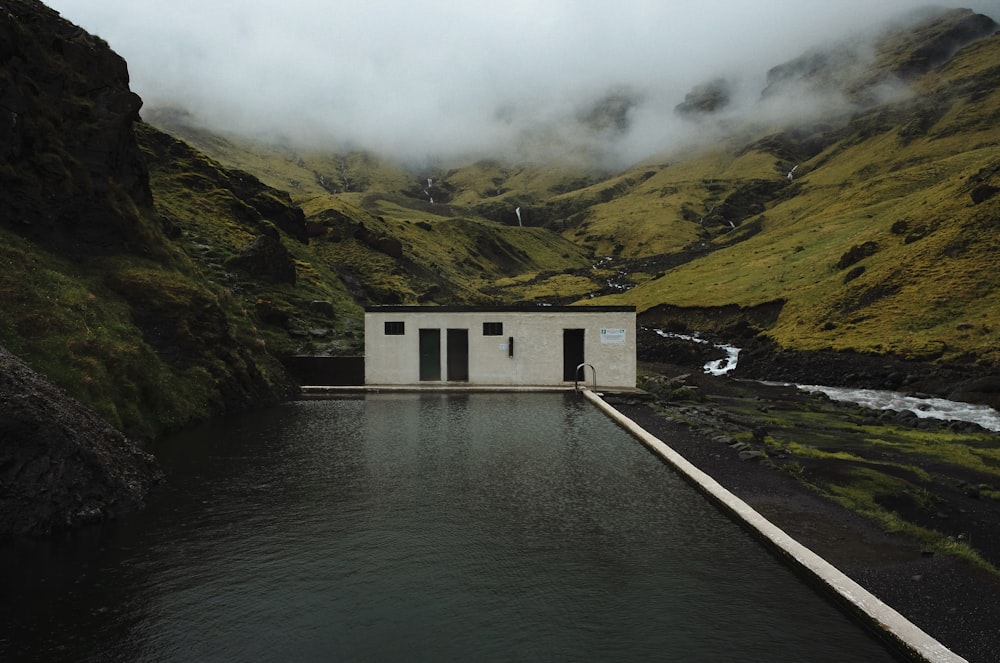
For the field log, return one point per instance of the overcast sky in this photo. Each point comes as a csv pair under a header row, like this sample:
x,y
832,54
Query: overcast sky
x,y
447,77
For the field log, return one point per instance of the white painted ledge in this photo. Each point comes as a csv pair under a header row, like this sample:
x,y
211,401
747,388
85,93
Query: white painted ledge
x,y
906,636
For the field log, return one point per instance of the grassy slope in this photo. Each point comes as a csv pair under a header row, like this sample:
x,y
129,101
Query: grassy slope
x,y
647,215
74,321
926,285
215,224
450,254
896,178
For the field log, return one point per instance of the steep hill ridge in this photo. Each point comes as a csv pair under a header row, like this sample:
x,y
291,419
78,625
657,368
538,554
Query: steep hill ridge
x,y
95,295
866,223
880,242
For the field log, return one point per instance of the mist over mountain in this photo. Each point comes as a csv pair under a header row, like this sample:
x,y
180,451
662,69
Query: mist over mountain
x,y
445,80
839,224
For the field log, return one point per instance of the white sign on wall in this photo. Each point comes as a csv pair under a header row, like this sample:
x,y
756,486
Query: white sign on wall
x,y
613,336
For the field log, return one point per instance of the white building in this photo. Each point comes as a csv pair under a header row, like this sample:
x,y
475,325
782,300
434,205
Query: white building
x,y
507,345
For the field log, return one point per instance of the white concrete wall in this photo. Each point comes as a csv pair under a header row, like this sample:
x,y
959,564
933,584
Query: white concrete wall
x,y
538,345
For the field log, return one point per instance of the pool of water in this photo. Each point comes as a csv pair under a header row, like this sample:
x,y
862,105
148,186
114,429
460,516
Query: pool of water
x,y
438,527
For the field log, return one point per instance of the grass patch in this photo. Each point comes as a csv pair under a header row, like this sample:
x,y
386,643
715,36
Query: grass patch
x,y
861,492
905,479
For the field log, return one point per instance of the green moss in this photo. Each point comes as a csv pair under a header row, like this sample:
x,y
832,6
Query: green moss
x,y
886,473
62,318
862,491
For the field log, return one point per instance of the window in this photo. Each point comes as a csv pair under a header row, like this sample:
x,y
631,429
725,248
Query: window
x,y
395,329
492,329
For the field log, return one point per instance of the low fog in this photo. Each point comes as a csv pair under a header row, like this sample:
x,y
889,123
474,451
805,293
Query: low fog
x,y
445,79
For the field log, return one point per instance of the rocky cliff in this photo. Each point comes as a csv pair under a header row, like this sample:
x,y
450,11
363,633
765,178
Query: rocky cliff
x,y
71,174
106,324
72,181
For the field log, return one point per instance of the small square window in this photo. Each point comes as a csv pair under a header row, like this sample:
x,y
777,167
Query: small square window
x,y
395,329
492,329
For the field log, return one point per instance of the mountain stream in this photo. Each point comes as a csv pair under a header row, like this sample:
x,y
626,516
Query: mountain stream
x,y
876,399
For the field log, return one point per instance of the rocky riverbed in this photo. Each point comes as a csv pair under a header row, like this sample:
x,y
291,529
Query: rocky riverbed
x,y
759,359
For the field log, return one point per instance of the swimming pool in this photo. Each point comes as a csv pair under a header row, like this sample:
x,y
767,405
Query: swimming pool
x,y
435,526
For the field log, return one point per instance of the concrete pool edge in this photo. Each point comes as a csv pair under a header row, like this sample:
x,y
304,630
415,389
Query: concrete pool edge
x,y
908,638
320,389
326,390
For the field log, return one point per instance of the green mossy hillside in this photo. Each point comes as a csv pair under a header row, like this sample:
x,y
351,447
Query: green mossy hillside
x,y
883,241
292,301
94,293
393,234
150,348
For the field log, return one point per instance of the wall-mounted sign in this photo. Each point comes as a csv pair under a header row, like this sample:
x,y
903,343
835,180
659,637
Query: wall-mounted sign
x,y
613,336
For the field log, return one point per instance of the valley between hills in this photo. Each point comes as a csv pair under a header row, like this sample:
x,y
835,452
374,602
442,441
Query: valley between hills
x,y
158,273
867,230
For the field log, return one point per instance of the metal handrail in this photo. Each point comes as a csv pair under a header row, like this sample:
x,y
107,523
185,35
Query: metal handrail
x,y
576,381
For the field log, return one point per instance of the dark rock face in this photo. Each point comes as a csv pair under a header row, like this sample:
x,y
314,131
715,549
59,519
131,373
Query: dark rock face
x,y
857,253
61,466
985,390
708,98
267,258
943,39
983,193
71,175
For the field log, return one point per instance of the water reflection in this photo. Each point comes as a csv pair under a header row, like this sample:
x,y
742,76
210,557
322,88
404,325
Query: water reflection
x,y
424,526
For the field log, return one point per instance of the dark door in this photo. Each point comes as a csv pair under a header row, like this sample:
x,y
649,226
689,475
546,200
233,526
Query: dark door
x,y
572,353
430,354
458,355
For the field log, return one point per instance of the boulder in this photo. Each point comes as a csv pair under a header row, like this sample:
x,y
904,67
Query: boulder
x,y
60,465
266,258
984,390
315,229
324,308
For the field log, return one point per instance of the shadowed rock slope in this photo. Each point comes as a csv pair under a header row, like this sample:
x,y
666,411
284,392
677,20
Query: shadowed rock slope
x,y
95,293
61,466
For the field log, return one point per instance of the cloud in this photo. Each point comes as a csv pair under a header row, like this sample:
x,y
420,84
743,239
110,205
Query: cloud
x,y
448,78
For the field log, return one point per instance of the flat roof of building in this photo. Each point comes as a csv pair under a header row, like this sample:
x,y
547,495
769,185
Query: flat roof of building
x,y
504,308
